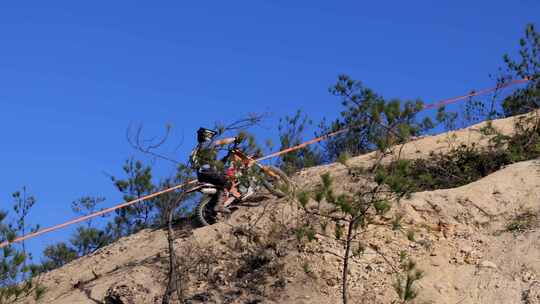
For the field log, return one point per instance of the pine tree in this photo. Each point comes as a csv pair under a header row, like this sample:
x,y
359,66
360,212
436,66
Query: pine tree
x,y
372,122
291,133
17,277
527,66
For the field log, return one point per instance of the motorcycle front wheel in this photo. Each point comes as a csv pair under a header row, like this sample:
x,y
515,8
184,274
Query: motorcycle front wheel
x,y
276,181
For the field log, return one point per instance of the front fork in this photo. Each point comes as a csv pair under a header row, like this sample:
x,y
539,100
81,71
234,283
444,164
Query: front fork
x,y
267,171
231,174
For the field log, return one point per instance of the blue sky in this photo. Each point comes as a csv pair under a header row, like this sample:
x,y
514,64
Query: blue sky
x,y
74,75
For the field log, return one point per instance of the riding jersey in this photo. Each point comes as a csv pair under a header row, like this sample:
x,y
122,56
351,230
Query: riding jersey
x,y
204,157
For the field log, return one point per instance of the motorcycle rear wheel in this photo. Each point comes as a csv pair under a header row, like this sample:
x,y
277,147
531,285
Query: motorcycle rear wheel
x,y
204,211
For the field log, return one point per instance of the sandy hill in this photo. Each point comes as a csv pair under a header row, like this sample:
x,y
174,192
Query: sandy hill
x,y
460,243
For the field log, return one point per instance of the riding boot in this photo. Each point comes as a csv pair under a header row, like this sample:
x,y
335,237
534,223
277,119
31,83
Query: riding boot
x,y
234,192
248,193
223,198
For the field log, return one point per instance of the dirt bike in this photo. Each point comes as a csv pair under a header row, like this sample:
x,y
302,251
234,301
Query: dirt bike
x,y
248,178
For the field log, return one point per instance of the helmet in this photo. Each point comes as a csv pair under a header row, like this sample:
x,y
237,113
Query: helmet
x,y
204,134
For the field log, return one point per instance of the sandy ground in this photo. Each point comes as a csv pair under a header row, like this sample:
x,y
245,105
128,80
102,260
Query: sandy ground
x,y
461,244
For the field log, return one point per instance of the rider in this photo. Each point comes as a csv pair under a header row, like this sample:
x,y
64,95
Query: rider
x,y
208,168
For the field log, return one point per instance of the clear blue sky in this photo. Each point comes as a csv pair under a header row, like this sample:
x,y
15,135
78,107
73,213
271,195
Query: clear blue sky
x,y
75,74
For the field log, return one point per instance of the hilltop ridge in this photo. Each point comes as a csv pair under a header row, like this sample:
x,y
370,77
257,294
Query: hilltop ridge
x,y
461,243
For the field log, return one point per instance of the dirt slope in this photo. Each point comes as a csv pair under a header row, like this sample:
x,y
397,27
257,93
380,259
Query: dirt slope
x,y
461,243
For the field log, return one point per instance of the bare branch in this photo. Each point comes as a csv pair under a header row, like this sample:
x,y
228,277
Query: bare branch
x,y
148,146
252,119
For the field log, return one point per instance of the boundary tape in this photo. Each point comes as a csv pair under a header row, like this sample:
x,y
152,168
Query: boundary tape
x,y
272,155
